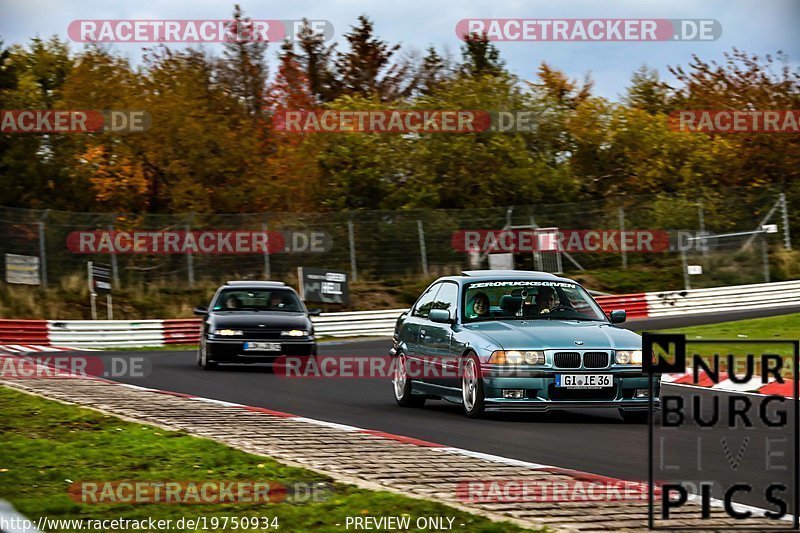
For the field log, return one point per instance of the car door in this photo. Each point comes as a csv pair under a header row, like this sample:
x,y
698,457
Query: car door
x,y
409,334
435,337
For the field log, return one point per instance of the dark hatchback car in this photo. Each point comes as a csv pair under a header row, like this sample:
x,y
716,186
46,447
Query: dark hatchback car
x,y
254,322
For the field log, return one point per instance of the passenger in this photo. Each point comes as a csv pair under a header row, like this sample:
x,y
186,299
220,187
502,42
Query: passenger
x,y
480,305
545,300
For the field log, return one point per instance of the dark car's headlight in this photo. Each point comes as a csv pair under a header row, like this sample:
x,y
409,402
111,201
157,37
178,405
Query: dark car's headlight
x,y
226,332
517,357
628,357
294,333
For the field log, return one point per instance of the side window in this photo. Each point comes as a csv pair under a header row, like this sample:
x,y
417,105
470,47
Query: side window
x,y
423,306
447,298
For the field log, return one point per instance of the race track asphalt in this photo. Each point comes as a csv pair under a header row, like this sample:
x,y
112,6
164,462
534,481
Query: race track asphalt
x,y
597,442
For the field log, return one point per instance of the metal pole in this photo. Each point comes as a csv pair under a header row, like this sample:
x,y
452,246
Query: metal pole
x,y
190,257
422,252
267,270
787,239
765,258
92,295
114,270
537,254
622,237
686,283
109,307
43,251
352,239
701,217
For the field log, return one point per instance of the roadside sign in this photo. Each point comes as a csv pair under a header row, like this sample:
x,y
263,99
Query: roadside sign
x,y
323,286
22,269
99,283
100,276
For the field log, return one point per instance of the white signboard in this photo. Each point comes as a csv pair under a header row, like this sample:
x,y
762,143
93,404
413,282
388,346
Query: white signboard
x,y
694,270
22,269
501,261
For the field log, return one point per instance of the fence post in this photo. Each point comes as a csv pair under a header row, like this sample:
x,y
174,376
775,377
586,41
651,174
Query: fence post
x,y
43,250
686,283
267,270
190,257
621,237
114,270
701,218
787,239
423,253
765,257
352,239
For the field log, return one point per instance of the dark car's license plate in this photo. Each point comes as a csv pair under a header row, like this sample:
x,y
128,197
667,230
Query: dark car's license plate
x,y
584,381
262,346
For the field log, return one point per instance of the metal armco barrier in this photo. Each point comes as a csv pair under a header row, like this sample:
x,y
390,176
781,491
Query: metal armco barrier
x,y
23,331
110,333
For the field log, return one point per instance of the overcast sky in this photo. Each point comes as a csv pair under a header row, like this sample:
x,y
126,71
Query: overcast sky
x,y
757,26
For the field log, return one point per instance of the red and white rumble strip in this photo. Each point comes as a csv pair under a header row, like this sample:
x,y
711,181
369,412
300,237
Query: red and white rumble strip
x,y
373,459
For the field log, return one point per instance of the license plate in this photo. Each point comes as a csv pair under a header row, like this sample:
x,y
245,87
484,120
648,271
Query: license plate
x,y
584,381
262,347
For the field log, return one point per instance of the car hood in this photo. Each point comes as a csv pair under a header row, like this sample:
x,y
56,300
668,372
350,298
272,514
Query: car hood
x,y
254,319
556,334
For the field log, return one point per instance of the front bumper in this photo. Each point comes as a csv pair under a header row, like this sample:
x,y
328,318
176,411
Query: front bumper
x,y
232,350
540,393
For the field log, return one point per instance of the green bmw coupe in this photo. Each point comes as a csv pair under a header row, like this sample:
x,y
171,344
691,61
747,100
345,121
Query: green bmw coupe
x,y
518,341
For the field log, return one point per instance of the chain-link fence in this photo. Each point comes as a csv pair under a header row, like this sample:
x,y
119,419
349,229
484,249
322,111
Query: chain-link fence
x,y
381,245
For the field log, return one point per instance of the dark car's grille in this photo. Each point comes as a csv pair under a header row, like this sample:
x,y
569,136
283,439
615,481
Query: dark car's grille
x,y
567,359
595,360
262,333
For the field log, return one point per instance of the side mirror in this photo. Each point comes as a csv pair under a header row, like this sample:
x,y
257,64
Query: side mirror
x,y
618,317
200,310
441,316
314,312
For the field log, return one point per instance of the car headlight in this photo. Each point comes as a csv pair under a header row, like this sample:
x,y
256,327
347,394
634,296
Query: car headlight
x,y
629,357
294,333
228,332
517,357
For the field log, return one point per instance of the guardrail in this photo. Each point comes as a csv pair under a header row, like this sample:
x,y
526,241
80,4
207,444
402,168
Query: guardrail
x,y
111,333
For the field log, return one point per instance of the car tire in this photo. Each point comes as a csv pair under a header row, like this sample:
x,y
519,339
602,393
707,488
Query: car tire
x,y
202,356
472,395
634,417
401,384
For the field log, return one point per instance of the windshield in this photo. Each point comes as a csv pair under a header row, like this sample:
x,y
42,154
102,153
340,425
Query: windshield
x,y
509,299
258,300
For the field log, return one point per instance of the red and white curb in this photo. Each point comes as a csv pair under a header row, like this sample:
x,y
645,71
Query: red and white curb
x,y
36,348
577,474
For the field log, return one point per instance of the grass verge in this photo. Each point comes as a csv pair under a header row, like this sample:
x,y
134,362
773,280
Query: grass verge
x,y
46,446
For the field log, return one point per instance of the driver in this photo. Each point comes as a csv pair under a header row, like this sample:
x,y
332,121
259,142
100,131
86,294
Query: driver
x,y
545,300
480,305
276,300
232,302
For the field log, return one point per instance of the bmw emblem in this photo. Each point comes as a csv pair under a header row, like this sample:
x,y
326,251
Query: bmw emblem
x,y
578,343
